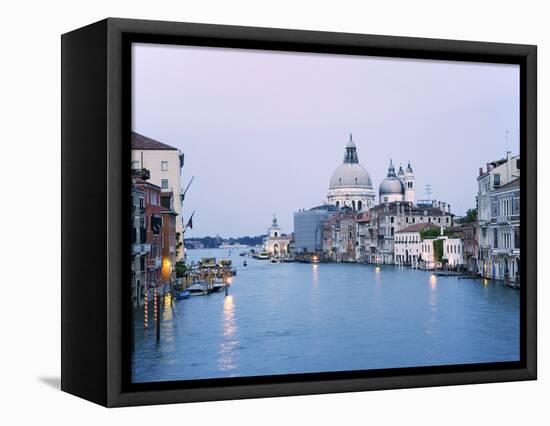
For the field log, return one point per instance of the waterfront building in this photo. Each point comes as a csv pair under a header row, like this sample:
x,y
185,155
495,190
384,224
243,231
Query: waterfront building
x,y
276,243
471,248
164,163
410,246
453,251
367,238
350,184
153,229
340,236
504,231
390,217
308,229
497,174
139,246
169,243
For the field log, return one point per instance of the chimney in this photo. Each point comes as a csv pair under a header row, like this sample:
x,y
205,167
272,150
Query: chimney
x,y
480,171
509,166
488,166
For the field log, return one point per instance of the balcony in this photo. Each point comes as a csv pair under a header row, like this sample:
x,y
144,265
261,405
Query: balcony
x,y
138,249
154,263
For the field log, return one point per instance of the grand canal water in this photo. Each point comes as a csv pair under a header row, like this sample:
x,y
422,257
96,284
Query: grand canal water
x,y
299,318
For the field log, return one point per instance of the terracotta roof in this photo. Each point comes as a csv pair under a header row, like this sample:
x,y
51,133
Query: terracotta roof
x,y
143,142
417,227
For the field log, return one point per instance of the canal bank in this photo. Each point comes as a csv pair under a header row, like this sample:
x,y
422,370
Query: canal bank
x,y
298,318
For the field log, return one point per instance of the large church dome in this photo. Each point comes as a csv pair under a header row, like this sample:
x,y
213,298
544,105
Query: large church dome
x,y
350,184
350,175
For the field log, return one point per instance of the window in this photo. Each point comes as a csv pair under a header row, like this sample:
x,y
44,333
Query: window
x,y
391,219
496,179
495,238
164,183
135,165
164,165
141,203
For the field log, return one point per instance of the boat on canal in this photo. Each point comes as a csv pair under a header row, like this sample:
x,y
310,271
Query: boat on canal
x,y
261,256
185,294
199,289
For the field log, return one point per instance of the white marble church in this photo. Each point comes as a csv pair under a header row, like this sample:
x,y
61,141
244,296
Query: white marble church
x,y
351,185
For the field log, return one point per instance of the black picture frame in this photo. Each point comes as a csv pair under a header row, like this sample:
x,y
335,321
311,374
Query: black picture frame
x,y
95,180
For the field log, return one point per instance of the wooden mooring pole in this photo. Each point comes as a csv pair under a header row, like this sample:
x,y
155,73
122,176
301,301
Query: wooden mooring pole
x,y
157,314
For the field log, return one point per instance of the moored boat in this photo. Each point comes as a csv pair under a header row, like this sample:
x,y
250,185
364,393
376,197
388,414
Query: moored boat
x,y
183,295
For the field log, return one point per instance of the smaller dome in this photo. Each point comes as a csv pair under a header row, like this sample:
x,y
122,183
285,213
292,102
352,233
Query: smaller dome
x,y
391,185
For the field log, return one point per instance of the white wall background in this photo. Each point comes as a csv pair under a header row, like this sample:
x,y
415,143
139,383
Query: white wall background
x,y
30,164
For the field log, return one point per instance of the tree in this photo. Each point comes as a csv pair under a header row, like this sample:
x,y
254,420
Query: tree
x,y
471,216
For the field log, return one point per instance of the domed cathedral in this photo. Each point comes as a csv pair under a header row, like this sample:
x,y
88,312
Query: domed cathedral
x,y
397,187
350,184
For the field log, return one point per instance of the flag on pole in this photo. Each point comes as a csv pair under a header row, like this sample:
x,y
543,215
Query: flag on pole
x,y
190,222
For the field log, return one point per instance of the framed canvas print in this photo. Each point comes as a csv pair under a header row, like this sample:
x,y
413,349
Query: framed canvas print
x,y
252,212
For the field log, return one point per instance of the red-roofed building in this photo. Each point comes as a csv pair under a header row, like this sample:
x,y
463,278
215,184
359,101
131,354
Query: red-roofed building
x,y
164,163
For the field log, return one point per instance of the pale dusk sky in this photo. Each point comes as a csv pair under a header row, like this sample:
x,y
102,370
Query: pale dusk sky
x,y
262,132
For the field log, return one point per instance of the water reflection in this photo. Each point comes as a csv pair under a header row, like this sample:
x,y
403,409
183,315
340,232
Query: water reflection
x,y
324,318
315,275
433,281
432,301
229,342
167,303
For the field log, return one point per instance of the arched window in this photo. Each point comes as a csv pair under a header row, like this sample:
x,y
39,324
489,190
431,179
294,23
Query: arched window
x,y
353,204
337,204
392,231
359,205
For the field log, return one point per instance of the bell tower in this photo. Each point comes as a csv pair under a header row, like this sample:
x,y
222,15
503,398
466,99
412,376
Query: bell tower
x,y
409,184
